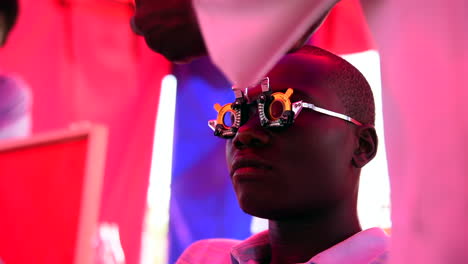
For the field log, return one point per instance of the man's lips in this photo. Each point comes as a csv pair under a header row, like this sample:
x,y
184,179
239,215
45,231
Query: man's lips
x,y
250,166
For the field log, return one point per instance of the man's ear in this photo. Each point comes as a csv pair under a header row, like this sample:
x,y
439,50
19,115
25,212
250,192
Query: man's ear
x,y
367,145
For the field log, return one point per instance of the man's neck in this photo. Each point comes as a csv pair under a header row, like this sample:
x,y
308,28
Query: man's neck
x,y
298,240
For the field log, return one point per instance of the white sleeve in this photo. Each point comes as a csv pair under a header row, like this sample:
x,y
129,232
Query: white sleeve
x,y
424,91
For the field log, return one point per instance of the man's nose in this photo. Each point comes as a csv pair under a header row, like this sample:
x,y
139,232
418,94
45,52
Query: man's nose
x,y
251,134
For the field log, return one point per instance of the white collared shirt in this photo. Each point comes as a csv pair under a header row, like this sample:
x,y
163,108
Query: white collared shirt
x,y
366,247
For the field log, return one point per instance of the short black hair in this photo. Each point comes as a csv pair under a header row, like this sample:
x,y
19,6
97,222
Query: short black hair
x,y
350,85
9,9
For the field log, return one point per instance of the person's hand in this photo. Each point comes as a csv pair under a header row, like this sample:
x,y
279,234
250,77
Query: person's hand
x,y
170,28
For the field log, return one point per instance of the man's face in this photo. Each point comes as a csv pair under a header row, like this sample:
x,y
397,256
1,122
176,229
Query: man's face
x,y
170,28
307,167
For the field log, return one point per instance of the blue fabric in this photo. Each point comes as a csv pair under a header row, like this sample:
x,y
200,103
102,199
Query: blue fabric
x,y
15,99
203,203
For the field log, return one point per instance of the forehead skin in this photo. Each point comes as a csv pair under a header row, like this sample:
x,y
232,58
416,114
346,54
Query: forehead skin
x,y
308,76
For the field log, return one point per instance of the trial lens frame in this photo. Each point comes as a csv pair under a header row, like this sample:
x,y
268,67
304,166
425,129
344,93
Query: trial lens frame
x,y
265,101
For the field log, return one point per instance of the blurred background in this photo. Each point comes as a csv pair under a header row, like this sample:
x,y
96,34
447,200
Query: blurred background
x,y
164,182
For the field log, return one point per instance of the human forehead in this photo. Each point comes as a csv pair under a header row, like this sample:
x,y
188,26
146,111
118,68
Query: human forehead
x,y
306,73
311,91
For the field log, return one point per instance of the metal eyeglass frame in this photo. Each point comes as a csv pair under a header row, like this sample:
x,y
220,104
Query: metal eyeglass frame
x,y
266,100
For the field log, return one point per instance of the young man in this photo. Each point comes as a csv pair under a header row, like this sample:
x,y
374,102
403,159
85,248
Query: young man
x,y
294,158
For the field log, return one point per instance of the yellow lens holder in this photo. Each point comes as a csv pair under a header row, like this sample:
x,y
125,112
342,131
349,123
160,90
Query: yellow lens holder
x,y
283,98
222,111
267,99
219,127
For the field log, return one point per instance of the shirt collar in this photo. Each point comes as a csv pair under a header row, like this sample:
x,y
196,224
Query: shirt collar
x,y
255,248
362,247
